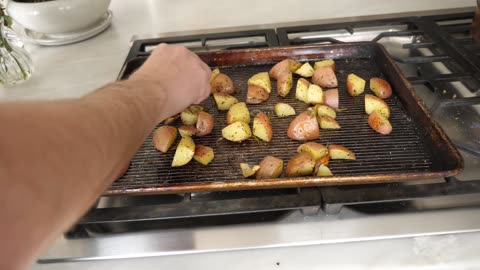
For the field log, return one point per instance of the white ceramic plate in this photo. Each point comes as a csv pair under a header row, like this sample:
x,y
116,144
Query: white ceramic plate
x,y
71,37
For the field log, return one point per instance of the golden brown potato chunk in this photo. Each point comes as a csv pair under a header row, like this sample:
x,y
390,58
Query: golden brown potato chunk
x,y
337,151
283,109
326,122
306,70
262,128
203,154
238,112
187,130
184,153
261,80
205,124
285,66
373,103
301,164
324,110
256,94
301,92
355,85
324,63
316,150
237,132
284,84
248,170
224,102
189,115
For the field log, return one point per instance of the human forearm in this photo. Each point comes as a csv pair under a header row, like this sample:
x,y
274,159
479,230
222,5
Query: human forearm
x,y
65,159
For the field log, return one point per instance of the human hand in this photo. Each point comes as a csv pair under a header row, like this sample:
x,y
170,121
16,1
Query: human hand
x,y
177,74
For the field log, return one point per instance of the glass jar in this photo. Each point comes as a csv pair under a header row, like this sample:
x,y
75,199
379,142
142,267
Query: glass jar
x,y
15,63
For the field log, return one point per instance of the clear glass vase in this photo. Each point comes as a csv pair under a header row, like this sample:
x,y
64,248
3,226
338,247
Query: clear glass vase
x,y
15,63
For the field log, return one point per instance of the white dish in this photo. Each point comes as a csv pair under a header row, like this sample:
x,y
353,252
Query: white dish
x,y
58,16
71,37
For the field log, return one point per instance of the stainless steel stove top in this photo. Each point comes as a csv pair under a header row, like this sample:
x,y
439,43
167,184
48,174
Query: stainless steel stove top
x,y
437,78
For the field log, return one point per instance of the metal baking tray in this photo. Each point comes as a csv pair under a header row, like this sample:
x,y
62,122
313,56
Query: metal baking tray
x,y
417,148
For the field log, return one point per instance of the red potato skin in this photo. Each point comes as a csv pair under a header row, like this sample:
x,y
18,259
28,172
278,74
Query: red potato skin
x,y
205,124
384,90
325,77
379,123
331,98
262,117
191,129
284,84
222,84
270,167
297,161
280,68
162,138
256,94
304,127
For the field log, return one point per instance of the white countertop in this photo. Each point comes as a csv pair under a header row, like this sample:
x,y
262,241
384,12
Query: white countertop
x,y
77,69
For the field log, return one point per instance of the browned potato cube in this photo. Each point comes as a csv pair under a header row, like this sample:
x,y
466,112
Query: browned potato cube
x,y
284,84
381,88
323,171
203,154
224,102
325,77
302,90
262,128
184,153
256,94
316,150
262,80
379,123
286,66
222,84
301,164
215,72
187,130
326,122
324,110
270,167
314,94
205,124
283,109
340,152
189,116
373,103
238,112
306,70
248,170
304,127
355,85
325,63
164,137
237,132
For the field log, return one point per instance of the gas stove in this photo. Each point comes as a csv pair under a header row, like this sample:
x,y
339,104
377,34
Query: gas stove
x,y
437,55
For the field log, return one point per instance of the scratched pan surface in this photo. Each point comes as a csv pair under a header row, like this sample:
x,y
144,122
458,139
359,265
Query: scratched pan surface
x,y
416,149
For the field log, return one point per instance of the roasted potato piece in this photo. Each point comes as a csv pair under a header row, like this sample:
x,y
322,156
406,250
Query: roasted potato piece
x,y
222,84
316,150
256,94
314,94
301,164
326,122
381,88
262,128
270,167
302,90
203,154
238,112
164,137
330,98
324,63
205,124
189,116
261,80
283,109
373,103
324,110
304,127
379,123
355,85
224,102
184,153
187,130
237,132
284,66
248,170
306,70
325,77
337,151
215,72
322,170
284,84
